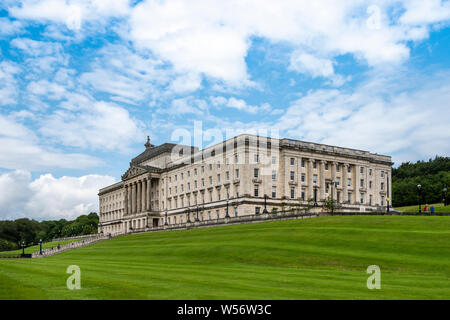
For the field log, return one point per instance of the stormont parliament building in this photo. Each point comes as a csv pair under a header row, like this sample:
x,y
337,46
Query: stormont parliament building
x,y
248,175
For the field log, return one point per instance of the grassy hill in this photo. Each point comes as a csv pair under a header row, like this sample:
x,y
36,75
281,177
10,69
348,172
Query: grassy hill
x,y
438,208
320,258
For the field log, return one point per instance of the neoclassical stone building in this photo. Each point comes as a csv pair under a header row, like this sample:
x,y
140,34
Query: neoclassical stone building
x,y
246,175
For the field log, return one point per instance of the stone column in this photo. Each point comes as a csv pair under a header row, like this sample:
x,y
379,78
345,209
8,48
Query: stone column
x,y
357,183
144,195
139,195
310,179
344,183
125,201
149,187
133,200
322,180
129,199
333,178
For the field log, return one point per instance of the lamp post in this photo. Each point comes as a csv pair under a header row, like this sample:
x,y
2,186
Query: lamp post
x,y
419,190
40,246
445,195
265,204
315,194
23,248
196,218
226,214
387,197
332,196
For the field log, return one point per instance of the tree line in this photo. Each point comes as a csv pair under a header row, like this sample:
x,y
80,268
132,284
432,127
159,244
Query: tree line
x,y
12,233
432,175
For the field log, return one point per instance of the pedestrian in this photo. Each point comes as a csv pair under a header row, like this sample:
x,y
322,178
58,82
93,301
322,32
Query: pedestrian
x,y
432,209
425,209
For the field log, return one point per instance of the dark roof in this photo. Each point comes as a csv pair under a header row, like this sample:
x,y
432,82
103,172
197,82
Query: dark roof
x,y
153,152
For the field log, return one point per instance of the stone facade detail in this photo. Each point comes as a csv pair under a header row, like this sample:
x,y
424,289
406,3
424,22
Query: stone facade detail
x,y
177,184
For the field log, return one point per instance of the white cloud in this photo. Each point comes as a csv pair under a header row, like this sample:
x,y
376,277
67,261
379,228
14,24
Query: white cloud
x,y
97,125
48,197
10,27
239,104
212,37
8,83
21,149
309,64
380,116
71,13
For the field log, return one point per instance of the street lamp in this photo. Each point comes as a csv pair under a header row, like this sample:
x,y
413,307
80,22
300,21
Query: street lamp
x,y
387,197
40,246
265,204
23,248
227,215
419,190
315,194
332,196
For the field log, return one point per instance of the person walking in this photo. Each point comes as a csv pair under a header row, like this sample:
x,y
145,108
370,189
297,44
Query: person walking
x,y
432,209
425,209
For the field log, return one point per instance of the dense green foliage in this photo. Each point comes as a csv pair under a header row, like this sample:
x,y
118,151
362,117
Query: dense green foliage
x,y
318,258
30,231
431,175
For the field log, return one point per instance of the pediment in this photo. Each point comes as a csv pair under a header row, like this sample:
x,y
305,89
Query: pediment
x,y
133,171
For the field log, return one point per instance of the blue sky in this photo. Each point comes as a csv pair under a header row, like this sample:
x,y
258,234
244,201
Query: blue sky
x,y
82,83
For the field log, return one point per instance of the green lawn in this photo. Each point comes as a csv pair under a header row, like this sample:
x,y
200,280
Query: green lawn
x,y
438,208
319,258
35,248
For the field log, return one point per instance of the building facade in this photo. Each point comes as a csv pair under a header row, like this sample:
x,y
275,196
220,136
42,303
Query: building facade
x,y
246,175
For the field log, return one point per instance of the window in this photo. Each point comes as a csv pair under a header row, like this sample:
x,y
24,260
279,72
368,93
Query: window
x,y
327,188
195,171
349,197
203,169
189,186
274,175
181,176
218,178
292,193
175,177
209,215
362,170
338,197
274,192
218,164
362,198
326,166
361,183
292,175
382,200
303,177
274,160
382,186
236,174
257,210
338,168
315,178
256,191
338,181
303,195
349,169
292,161
236,158
181,219
370,199
237,191
210,180
370,172
203,182
235,211
382,174
210,167
349,182
256,158
303,163
189,173
195,184
370,184
256,172
227,174
182,188
217,214
314,164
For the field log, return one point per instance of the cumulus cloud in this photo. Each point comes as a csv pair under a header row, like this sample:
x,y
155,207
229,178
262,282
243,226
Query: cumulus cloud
x,y
96,125
239,104
408,123
20,149
8,83
48,197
